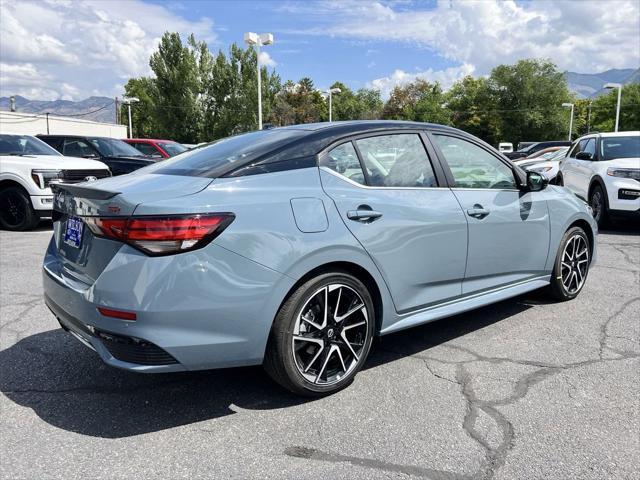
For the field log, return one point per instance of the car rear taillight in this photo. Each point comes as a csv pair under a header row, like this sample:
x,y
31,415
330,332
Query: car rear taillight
x,y
162,235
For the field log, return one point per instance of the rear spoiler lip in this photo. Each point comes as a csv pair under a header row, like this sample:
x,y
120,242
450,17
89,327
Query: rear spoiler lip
x,y
84,192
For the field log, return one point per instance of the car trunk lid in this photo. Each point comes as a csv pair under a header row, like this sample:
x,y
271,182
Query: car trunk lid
x,y
83,255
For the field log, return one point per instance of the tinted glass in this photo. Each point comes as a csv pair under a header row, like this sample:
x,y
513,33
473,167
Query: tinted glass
x,y
172,148
24,145
474,167
111,147
396,161
145,148
575,149
344,160
620,147
211,160
590,147
78,148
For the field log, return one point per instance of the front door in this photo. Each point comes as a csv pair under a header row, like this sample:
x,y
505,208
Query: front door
x,y
387,194
508,228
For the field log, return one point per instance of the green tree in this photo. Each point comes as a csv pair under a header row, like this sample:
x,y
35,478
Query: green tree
x,y
528,97
603,115
420,101
472,105
143,113
177,88
298,103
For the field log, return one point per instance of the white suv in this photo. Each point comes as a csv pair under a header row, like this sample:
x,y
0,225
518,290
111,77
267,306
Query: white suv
x,y
27,167
604,170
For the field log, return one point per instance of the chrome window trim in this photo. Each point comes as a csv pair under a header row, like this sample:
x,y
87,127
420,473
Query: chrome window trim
x,y
370,187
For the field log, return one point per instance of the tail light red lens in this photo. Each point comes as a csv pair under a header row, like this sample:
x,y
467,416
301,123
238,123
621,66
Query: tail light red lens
x,y
162,235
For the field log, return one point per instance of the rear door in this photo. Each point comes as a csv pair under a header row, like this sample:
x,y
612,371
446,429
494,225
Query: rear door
x,y
391,195
508,228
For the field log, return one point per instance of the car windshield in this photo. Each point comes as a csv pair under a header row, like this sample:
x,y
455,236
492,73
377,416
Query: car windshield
x,y
24,145
172,148
620,147
210,160
112,147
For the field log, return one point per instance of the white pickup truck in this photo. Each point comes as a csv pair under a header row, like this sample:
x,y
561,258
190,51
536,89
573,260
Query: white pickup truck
x,y
27,167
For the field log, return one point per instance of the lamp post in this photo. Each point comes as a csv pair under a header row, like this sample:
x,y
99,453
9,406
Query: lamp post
x,y
569,105
128,101
251,38
330,92
609,86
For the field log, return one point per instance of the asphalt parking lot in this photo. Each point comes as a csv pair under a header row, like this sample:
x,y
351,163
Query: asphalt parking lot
x,y
521,389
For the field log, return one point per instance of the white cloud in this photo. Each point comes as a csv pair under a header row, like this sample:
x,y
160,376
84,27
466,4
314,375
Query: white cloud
x,y
80,48
586,36
445,77
266,60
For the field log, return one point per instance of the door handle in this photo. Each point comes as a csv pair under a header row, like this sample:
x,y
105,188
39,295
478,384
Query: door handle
x,y
363,214
478,211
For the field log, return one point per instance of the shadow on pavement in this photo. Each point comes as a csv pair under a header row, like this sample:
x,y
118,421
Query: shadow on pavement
x,y
69,387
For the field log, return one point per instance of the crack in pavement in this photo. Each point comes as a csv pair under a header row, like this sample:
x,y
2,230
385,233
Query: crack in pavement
x,y
414,470
495,457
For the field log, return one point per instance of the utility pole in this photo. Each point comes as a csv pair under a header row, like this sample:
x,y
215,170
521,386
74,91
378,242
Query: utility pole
x,y
117,112
589,118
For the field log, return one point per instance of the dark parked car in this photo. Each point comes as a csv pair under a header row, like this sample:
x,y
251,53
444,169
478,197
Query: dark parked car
x,y
119,156
535,147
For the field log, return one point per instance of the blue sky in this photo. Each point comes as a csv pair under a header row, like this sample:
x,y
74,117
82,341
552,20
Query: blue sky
x,y
324,58
72,49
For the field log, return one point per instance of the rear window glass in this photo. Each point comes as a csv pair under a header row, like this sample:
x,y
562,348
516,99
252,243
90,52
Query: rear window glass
x,y
219,157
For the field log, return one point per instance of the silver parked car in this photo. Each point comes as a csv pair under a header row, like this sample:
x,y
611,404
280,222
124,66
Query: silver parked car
x,y
293,247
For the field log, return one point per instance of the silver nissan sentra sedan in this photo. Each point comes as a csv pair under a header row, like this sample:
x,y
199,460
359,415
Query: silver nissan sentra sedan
x,y
294,247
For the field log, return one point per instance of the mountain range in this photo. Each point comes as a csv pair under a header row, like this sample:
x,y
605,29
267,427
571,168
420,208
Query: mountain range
x,y
589,85
102,109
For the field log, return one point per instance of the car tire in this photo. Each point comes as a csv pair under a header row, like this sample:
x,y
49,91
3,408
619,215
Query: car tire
x,y
314,355
16,212
599,206
571,267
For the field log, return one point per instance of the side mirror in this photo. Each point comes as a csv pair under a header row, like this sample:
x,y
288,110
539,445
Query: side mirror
x,y
536,181
584,156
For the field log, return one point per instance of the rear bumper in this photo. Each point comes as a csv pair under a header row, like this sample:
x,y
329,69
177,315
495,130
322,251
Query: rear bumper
x,y
209,308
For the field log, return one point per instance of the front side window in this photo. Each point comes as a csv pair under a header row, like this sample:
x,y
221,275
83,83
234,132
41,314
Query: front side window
x,y
146,148
343,159
590,147
112,147
396,161
474,167
78,148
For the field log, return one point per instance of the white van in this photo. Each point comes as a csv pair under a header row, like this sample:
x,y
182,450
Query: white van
x,y
505,147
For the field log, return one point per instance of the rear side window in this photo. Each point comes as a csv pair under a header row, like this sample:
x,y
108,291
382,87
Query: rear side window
x,y
396,161
220,157
343,159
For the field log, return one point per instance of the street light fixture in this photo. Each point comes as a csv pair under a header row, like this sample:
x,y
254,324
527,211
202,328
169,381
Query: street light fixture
x,y
609,86
251,38
569,105
330,92
128,101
